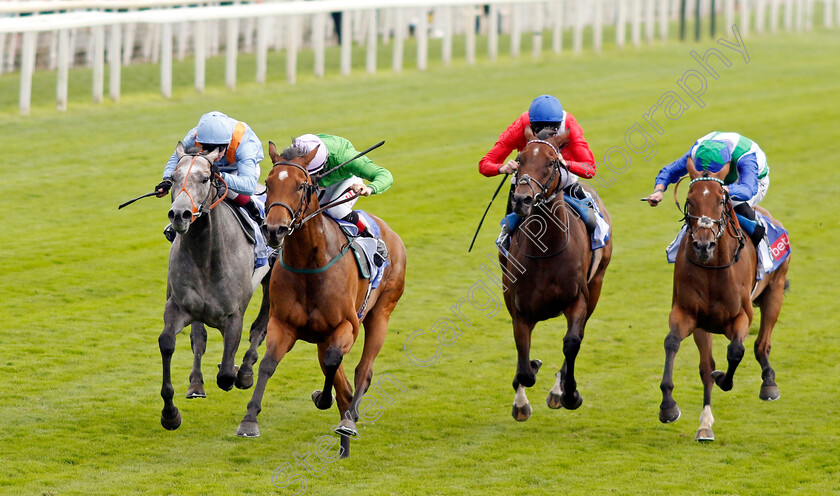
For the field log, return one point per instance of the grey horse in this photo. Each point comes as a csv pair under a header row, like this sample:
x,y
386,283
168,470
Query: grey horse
x,y
210,281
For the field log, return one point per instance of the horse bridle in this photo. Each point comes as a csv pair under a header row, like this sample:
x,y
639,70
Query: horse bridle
x,y
541,197
307,187
199,210
705,222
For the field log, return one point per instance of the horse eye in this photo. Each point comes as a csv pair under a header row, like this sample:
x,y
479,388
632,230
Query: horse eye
x,y
206,180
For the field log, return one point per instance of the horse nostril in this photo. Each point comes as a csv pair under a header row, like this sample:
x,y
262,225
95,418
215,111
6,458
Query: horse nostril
x,y
171,216
527,200
711,246
186,215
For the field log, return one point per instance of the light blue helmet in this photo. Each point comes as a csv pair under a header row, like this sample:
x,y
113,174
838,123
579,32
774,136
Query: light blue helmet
x,y
545,108
214,128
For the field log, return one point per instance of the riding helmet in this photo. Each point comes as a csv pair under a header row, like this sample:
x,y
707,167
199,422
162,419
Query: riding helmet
x,y
214,128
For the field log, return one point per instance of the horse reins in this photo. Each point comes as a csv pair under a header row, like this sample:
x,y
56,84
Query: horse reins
x,y
704,222
198,210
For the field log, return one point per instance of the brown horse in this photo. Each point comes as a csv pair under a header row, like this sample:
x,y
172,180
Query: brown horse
x,y
714,290
550,270
316,293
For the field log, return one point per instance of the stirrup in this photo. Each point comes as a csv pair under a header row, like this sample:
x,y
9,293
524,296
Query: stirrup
x,y
503,241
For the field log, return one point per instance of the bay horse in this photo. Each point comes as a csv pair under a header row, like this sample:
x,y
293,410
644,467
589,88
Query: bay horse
x,y
550,270
714,290
316,292
210,280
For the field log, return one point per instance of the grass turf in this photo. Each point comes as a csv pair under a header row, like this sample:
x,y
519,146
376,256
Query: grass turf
x,y
83,285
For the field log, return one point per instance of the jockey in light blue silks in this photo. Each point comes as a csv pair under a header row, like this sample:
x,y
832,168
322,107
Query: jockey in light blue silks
x,y
747,181
239,166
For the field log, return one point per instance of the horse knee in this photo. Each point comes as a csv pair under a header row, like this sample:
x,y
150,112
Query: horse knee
x,y
166,343
735,351
332,357
672,342
571,345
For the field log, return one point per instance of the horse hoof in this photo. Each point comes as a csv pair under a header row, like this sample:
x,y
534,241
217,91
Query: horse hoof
x,y
554,401
244,381
705,435
668,415
248,429
171,424
769,393
536,364
573,403
316,398
346,428
196,391
521,414
718,377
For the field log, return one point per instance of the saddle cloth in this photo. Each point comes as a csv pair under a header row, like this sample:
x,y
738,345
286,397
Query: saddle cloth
x,y
772,250
252,229
371,264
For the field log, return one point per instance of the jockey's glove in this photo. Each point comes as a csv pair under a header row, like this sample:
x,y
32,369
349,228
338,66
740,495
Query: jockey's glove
x,y
163,187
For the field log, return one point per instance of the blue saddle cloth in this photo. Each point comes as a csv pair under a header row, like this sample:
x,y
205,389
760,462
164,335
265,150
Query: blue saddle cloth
x,y
370,269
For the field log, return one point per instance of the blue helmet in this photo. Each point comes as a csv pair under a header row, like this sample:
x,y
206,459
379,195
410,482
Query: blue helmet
x,y
545,108
214,128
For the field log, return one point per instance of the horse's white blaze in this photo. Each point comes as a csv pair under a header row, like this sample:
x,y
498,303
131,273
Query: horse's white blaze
x,y
705,191
520,399
706,418
282,175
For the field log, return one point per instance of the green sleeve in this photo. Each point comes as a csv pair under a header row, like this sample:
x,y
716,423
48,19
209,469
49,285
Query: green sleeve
x,y
341,150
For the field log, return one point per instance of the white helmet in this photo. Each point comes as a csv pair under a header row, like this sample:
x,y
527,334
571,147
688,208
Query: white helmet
x,y
308,142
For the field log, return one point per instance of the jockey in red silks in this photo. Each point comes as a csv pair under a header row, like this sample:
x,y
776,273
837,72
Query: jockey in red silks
x,y
546,118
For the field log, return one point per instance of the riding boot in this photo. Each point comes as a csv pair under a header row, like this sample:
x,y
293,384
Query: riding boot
x,y
354,218
509,224
748,221
169,233
254,211
576,197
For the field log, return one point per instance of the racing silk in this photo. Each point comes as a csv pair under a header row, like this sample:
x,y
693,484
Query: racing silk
x,y
240,166
576,151
341,150
749,162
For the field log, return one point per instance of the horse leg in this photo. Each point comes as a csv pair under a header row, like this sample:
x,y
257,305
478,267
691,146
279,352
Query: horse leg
x,y
376,326
771,305
681,325
703,340
245,375
347,425
734,352
526,369
330,357
279,340
198,341
174,321
576,322
232,333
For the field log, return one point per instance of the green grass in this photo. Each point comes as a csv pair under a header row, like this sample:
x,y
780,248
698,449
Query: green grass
x,y
82,286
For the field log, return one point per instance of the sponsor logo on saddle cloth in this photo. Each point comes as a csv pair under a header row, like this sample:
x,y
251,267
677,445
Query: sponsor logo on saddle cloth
x,y
369,246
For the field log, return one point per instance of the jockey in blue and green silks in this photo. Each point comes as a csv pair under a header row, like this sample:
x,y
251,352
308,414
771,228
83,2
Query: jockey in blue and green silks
x,y
747,181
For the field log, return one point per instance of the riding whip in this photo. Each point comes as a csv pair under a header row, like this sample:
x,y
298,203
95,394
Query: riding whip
x,y
129,202
487,210
374,147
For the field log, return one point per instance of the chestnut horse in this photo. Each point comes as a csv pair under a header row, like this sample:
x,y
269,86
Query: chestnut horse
x,y
550,269
316,293
714,292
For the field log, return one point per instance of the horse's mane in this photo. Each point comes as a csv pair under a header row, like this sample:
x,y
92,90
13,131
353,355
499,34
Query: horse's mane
x,y
294,150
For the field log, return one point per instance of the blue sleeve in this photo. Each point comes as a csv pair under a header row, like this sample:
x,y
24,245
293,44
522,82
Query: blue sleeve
x,y
672,172
248,158
747,185
189,142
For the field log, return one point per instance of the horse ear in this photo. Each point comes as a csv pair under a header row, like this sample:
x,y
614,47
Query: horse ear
x,y
693,173
216,155
311,155
179,150
560,140
529,134
272,152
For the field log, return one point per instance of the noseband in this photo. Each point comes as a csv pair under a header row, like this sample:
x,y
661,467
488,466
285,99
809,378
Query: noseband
x,y
308,188
540,198
198,210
